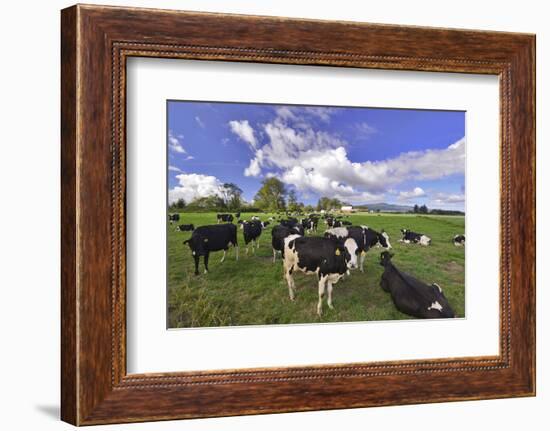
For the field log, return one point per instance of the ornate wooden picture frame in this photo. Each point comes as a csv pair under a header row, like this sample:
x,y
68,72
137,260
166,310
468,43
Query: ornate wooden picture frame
x,y
96,41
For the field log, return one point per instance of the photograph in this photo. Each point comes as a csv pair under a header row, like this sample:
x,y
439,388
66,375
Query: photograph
x,y
299,214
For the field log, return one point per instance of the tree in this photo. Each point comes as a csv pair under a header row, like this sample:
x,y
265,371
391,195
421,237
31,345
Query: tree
x,y
309,208
271,196
232,196
179,204
423,209
292,201
415,209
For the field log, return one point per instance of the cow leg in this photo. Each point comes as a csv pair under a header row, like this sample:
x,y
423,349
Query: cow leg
x,y
246,250
258,243
206,262
254,247
329,292
274,255
322,282
236,252
290,282
223,257
196,257
362,262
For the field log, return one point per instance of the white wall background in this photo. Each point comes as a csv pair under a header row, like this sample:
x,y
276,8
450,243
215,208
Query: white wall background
x,y
29,214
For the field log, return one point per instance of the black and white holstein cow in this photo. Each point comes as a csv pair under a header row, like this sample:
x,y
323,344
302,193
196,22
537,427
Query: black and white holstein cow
x,y
173,218
252,230
329,259
293,223
278,235
459,240
364,236
310,223
185,228
226,218
416,238
212,238
412,296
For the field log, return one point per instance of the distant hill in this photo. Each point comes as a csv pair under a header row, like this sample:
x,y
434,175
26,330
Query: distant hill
x,y
382,206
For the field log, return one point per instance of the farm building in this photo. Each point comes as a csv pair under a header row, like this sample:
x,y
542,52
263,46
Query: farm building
x,y
347,209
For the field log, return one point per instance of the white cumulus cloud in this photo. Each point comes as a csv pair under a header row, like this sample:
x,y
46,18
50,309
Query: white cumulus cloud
x,y
417,192
174,143
244,131
192,186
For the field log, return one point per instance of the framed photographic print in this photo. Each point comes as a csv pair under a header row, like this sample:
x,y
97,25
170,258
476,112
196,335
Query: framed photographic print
x,y
260,217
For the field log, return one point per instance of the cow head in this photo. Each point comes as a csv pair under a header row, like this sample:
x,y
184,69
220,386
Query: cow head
x,y
385,258
349,250
384,240
440,303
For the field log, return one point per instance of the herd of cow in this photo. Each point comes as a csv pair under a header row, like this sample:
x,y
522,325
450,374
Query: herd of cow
x,y
331,257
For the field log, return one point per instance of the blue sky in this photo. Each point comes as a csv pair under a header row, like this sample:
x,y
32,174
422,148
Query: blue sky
x,y
359,155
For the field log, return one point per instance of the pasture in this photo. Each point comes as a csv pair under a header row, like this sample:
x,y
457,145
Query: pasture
x,y
252,290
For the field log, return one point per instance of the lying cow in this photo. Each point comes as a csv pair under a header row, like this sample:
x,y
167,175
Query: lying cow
x,y
412,296
185,228
173,218
416,238
226,218
278,235
327,258
212,238
365,237
459,240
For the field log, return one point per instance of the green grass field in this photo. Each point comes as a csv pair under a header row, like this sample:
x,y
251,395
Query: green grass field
x,y
252,290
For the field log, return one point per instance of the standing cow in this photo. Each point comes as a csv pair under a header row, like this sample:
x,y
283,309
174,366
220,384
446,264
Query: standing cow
x,y
252,230
209,238
412,296
364,236
278,235
329,259
225,218
172,218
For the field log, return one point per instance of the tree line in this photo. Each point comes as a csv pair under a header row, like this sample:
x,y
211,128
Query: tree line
x,y
272,196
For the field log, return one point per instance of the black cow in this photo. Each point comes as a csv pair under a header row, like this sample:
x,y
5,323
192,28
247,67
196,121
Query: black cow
x,y
412,296
329,259
416,238
459,240
212,238
185,228
278,235
252,230
173,218
364,236
226,218
333,222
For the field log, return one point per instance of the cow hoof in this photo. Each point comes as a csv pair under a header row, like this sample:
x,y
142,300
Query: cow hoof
x,y
206,271
331,306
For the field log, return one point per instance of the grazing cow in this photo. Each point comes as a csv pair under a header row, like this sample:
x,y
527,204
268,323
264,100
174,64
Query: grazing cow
x,y
278,235
185,228
212,238
238,215
173,218
417,238
329,259
459,240
226,218
364,236
252,230
412,296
